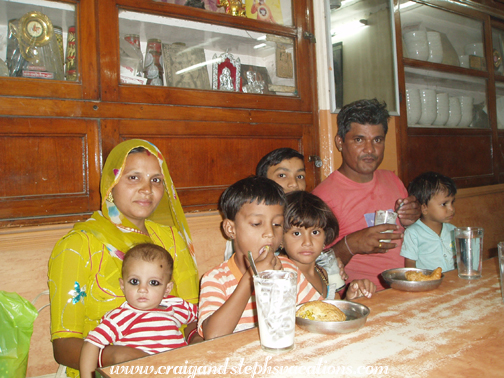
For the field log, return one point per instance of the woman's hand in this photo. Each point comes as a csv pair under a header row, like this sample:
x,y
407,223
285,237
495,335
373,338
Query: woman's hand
x,y
360,288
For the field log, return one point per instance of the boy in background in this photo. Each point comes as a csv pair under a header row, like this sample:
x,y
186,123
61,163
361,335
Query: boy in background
x,y
286,167
429,242
150,319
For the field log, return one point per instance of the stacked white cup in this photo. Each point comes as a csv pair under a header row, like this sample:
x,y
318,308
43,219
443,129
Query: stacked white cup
x,y
466,110
454,112
428,106
417,45
413,105
435,47
443,110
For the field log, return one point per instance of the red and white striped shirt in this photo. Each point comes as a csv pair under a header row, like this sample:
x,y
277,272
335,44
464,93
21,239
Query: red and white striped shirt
x,y
218,284
152,331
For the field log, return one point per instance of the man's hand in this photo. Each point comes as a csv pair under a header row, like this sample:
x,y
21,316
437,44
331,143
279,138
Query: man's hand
x,y
368,240
408,210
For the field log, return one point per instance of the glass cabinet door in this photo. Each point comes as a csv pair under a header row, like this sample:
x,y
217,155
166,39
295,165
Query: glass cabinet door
x,y
39,40
437,36
165,51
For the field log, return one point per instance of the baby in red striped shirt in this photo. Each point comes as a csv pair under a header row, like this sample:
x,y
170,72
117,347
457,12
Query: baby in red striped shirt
x,y
150,318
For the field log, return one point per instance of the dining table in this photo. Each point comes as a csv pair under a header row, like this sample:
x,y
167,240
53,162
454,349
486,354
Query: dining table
x,y
455,330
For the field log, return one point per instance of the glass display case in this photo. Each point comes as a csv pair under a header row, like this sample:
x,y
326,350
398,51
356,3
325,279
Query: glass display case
x,y
38,40
437,36
165,51
437,95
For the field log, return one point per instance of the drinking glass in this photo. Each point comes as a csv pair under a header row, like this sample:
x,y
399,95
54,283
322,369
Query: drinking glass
x,y
469,245
385,217
275,294
501,266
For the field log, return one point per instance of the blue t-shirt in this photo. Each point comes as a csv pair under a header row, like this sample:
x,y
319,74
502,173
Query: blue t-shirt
x,y
427,248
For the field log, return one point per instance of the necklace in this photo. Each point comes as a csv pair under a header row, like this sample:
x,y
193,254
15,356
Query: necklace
x,y
131,229
317,269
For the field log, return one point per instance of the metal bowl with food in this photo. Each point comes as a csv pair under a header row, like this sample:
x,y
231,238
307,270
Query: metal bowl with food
x,y
397,280
356,315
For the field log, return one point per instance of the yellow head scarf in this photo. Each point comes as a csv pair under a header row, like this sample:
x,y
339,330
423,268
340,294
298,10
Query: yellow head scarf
x,y
169,211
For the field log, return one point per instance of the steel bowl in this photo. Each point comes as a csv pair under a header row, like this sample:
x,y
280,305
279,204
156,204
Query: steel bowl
x,y
356,315
397,280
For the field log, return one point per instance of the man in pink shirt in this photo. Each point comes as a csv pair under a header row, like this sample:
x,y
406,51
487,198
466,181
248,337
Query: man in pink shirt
x,y
357,189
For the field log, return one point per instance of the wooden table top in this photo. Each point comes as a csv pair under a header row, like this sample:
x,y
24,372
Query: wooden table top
x,y
455,330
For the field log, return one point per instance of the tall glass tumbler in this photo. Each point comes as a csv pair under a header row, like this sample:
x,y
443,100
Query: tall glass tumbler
x,y
501,266
275,294
469,245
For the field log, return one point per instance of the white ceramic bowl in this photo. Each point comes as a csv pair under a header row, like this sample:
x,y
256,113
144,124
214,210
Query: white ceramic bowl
x,y
454,112
443,109
413,105
428,104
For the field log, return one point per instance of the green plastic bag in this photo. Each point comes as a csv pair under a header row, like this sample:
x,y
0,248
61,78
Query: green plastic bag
x,y
16,327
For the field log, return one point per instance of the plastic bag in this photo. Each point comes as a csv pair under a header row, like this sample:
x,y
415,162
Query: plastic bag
x,y
16,327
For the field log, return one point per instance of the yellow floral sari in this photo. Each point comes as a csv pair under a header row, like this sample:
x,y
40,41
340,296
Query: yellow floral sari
x,y
85,265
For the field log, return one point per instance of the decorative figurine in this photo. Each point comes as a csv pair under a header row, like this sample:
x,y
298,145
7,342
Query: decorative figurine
x,y
226,72
226,82
233,7
253,84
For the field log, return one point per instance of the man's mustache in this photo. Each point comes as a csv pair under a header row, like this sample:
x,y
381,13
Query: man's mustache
x,y
368,156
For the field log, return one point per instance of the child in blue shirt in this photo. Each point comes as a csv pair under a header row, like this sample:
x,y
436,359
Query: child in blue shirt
x,y
429,242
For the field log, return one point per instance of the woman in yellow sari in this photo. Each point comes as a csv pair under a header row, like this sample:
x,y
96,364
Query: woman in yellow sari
x,y
139,205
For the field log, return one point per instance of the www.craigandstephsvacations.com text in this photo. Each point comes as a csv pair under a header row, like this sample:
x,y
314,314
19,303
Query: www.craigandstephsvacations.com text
x,y
252,370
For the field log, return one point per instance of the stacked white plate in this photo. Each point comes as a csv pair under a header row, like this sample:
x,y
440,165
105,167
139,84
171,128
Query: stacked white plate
x,y
443,110
417,45
466,110
454,112
413,105
435,47
428,106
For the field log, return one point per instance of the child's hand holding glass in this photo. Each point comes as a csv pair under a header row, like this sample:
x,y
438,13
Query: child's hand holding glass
x,y
360,288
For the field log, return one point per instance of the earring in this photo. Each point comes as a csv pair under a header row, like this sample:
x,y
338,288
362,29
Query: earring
x,y
110,198
339,149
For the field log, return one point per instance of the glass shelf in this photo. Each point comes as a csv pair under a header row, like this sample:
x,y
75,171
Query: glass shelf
x,y
165,51
34,40
434,35
440,99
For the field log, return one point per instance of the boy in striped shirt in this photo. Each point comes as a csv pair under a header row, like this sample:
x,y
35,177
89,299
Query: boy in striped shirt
x,y
253,217
150,318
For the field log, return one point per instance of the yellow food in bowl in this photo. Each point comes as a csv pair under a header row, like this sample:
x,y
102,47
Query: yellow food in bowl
x,y
321,311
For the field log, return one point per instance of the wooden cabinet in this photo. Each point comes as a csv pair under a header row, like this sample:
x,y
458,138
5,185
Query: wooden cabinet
x,y
451,82
56,134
